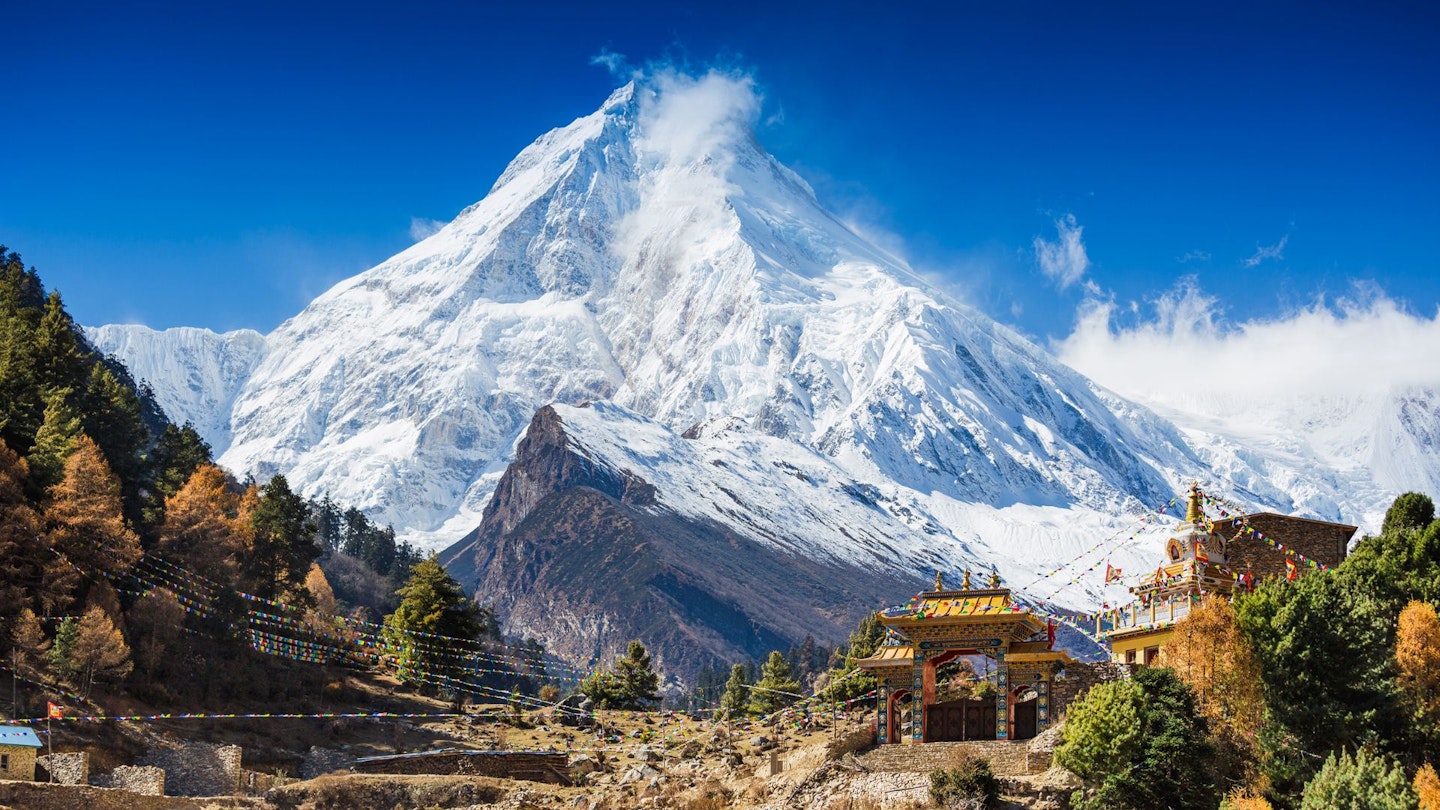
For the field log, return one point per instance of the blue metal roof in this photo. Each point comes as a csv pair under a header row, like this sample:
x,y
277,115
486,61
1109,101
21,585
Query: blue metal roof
x,y
19,735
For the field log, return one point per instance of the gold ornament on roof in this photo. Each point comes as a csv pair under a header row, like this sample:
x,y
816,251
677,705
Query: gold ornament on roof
x,y
966,584
939,581
994,579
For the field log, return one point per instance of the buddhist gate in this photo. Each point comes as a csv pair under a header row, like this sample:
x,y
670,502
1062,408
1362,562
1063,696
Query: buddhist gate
x,y
940,625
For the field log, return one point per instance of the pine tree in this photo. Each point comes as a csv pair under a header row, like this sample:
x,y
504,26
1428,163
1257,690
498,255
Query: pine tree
x,y
736,699
770,692
426,633
62,650
178,453
54,441
110,411
83,519
62,360
1366,782
100,652
630,684
283,543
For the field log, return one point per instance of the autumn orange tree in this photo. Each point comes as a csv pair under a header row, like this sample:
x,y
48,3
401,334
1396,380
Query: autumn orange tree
x,y
1211,654
23,559
203,528
1417,661
83,519
100,652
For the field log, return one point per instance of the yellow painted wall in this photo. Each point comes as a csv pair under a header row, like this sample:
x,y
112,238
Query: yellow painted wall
x,y
1138,642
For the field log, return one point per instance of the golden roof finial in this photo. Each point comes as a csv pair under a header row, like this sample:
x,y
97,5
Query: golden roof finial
x,y
966,584
1193,513
994,579
939,581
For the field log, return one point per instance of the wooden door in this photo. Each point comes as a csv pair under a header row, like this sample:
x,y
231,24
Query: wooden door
x,y
1025,719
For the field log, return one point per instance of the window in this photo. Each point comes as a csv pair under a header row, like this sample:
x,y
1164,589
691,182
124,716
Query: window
x,y
1151,655
1129,656
4,762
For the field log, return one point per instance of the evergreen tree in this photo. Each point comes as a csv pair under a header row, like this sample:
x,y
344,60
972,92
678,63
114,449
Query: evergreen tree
x,y
178,453
1139,744
61,358
1408,512
630,684
1366,782
110,411
62,650
867,637
428,631
736,699
54,441
329,525
282,545
775,688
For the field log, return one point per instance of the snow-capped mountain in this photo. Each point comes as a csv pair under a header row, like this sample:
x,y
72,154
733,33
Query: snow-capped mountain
x,y
652,255
194,373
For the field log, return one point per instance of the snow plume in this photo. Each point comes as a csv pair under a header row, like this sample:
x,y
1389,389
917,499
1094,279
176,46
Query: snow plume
x,y
1188,357
1063,260
685,119
422,229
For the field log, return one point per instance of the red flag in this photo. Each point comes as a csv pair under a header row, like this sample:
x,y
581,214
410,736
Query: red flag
x,y
1200,554
55,710
1291,572
1112,574
1159,575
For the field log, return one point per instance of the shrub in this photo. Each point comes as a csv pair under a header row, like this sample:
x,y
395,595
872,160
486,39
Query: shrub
x,y
970,783
1366,782
853,742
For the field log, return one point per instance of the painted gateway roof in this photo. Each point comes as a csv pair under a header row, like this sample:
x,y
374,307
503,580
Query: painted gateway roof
x,y
19,735
955,605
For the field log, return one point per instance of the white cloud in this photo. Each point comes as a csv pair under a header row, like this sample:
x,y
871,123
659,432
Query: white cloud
x,y
1264,252
421,228
686,118
616,63
1188,356
1063,260
1194,256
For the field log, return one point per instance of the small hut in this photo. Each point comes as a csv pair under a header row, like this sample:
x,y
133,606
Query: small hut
x,y
18,748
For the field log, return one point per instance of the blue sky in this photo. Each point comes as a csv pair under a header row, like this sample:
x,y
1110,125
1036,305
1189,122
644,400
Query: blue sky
x,y
219,165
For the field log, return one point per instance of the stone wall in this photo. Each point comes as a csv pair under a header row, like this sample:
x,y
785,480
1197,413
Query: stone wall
x,y
536,767
22,763
146,780
198,769
67,768
1077,680
319,761
1322,542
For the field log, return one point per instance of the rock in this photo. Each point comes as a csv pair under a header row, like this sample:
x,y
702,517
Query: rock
x,y
761,743
584,764
648,754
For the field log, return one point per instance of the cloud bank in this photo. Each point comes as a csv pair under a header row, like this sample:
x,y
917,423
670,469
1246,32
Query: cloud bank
x,y
1185,352
421,228
1064,260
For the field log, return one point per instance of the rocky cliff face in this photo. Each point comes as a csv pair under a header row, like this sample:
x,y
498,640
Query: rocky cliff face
x,y
586,555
